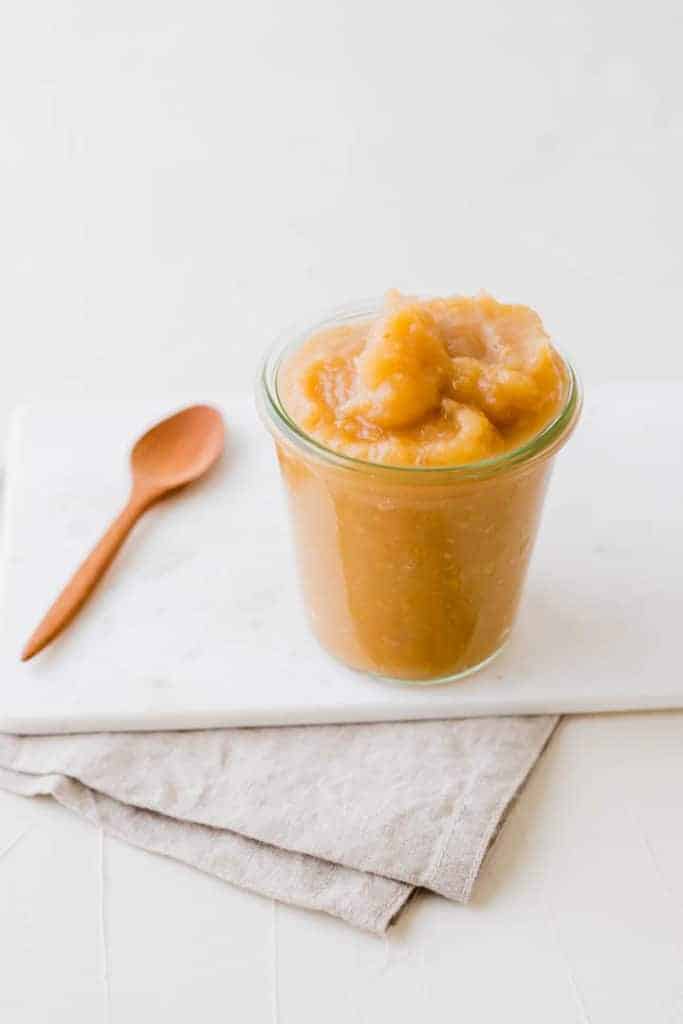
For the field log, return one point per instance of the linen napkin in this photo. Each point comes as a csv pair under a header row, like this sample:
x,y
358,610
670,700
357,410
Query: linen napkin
x,y
346,819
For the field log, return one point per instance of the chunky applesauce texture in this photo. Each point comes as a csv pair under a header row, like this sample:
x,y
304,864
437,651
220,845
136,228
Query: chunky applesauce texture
x,y
439,382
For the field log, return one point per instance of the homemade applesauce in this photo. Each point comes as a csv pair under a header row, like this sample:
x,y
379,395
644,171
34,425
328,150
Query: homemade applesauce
x,y
416,444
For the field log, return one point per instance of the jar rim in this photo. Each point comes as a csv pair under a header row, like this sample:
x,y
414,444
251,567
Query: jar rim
x,y
272,408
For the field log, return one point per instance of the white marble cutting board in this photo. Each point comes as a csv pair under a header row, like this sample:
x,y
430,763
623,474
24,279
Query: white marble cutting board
x,y
199,621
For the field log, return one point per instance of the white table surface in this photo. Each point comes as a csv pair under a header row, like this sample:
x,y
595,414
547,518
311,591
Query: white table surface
x,y
179,181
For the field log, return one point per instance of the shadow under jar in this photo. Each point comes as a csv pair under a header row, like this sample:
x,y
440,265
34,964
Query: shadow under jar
x,y
411,573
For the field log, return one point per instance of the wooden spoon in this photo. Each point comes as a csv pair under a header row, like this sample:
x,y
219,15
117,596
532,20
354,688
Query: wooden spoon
x,y
173,453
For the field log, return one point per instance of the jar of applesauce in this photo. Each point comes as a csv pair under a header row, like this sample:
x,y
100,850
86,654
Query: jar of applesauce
x,y
415,478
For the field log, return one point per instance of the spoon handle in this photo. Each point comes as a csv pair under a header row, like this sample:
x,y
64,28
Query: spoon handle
x,y
82,583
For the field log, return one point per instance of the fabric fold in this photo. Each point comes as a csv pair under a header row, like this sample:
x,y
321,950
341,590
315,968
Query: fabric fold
x,y
346,819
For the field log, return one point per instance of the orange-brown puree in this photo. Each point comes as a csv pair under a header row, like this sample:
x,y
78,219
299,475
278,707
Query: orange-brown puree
x,y
427,383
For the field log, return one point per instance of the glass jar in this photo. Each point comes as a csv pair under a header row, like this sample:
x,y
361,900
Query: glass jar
x,y
410,573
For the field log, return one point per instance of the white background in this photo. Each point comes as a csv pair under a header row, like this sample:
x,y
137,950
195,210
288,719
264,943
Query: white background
x,y
178,182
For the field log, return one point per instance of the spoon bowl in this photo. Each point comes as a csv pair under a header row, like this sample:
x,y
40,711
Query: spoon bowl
x,y
178,450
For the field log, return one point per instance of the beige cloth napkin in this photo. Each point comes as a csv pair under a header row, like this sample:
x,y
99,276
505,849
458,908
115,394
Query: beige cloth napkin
x,y
346,819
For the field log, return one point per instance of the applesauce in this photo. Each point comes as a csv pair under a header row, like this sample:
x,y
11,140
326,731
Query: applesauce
x,y
415,442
